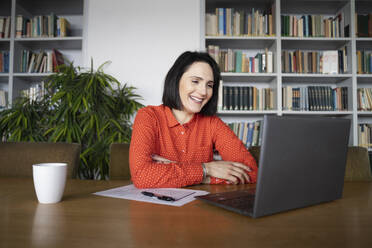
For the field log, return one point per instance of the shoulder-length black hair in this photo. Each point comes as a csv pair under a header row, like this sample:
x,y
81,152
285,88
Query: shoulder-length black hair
x,y
171,96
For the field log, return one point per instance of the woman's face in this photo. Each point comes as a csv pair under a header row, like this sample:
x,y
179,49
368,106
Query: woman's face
x,y
196,87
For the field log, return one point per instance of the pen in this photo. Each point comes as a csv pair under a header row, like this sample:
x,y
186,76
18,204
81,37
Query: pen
x,y
160,197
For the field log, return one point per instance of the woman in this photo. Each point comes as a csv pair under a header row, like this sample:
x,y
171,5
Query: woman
x,y
172,144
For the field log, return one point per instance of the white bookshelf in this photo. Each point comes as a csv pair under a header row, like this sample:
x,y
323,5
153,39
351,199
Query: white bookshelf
x,y
278,43
71,47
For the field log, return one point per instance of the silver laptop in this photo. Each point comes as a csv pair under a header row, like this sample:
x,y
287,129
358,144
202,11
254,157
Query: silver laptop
x,y
302,163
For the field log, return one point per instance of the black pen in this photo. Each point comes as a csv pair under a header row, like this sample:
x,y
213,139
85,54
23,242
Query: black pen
x,y
160,197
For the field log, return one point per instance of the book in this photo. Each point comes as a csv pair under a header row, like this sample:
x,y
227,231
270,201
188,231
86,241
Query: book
x,y
7,27
32,63
63,28
2,22
330,62
19,26
220,96
57,59
226,98
362,25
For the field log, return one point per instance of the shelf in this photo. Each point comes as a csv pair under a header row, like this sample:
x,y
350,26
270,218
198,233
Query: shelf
x,y
261,4
314,78
246,112
241,42
364,75
4,39
4,78
240,37
249,77
365,113
318,7
31,76
362,39
312,39
310,43
50,43
328,113
364,43
364,79
41,7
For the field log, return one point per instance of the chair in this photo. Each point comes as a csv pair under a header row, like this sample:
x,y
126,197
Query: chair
x,y
255,151
357,164
17,158
119,161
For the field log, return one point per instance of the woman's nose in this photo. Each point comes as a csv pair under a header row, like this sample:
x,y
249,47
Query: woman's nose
x,y
202,89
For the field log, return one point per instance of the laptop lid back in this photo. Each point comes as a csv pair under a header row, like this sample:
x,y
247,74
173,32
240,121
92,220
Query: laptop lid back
x,y
302,162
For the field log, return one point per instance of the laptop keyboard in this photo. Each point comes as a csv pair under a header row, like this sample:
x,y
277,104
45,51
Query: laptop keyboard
x,y
240,201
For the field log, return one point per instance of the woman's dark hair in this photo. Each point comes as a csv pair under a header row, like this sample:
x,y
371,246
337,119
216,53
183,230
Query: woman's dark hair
x,y
171,95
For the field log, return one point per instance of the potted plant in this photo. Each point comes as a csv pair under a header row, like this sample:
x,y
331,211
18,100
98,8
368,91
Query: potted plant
x,y
85,106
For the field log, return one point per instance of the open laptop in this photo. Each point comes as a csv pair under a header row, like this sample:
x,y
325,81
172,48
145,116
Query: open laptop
x,y
302,163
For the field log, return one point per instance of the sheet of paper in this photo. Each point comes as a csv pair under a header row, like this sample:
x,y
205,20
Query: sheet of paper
x,y
130,192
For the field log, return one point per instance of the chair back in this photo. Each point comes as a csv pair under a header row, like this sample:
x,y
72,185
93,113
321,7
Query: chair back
x,y
255,152
119,161
17,158
357,164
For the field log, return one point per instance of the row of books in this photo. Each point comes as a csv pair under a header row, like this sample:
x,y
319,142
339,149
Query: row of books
x,y
364,99
365,135
5,27
35,92
247,98
250,133
314,26
4,61
41,62
240,22
363,25
42,26
326,62
234,60
364,64
315,98
3,99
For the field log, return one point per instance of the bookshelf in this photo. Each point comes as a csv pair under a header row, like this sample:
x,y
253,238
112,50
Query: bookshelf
x,y
284,38
70,46
364,117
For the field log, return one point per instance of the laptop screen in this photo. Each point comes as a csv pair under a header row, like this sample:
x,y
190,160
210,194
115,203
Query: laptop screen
x,y
302,162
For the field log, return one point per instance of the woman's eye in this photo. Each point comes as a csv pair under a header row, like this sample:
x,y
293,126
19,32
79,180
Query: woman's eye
x,y
210,86
195,81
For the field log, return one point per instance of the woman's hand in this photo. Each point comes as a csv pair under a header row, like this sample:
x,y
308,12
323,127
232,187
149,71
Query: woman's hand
x,y
160,159
234,172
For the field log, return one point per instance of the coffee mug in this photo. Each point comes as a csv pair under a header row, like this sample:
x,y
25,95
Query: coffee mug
x,y
49,181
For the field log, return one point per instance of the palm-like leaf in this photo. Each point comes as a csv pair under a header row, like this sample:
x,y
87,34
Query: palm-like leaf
x,y
84,106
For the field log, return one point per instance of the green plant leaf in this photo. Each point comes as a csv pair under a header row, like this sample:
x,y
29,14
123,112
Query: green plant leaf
x,y
86,106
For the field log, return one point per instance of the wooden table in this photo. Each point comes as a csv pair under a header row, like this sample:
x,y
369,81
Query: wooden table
x,y
86,220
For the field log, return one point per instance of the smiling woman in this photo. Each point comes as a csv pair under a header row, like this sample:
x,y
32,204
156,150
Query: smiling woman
x,y
195,90
172,144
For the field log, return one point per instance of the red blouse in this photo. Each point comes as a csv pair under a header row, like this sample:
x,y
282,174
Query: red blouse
x,y
156,131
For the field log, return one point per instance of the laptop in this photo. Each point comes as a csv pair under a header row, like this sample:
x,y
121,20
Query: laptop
x,y
302,163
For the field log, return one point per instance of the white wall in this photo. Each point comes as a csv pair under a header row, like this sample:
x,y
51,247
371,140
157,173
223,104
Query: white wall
x,y
142,39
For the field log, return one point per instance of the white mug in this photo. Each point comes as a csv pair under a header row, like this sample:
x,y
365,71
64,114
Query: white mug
x,y
49,181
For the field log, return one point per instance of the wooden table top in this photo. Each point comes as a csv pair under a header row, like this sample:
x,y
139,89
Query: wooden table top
x,y
86,220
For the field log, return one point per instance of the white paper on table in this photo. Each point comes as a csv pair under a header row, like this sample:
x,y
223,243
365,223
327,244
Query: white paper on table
x,y
130,192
